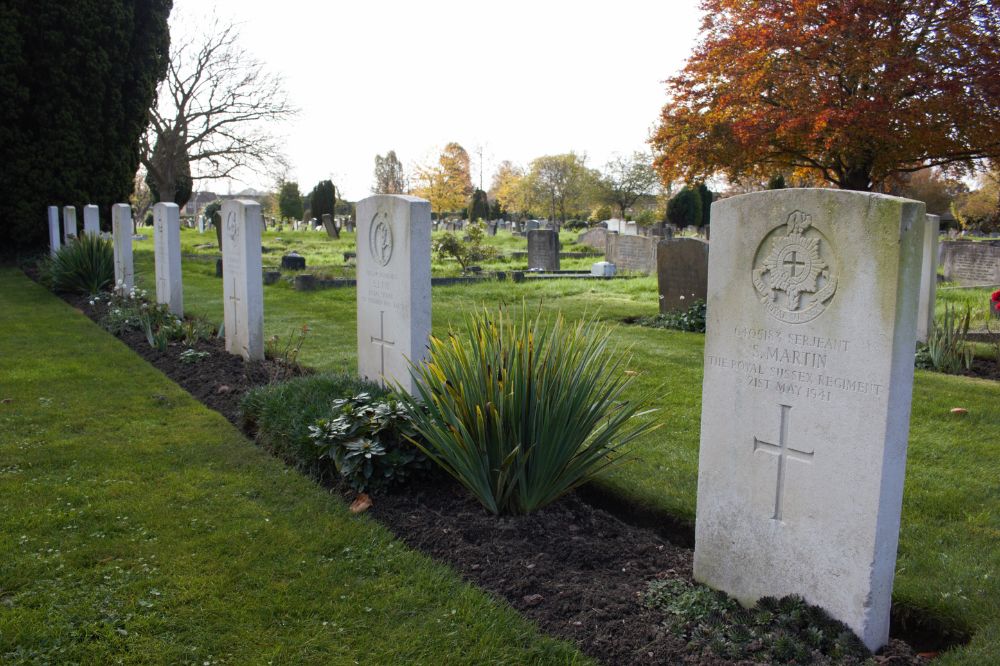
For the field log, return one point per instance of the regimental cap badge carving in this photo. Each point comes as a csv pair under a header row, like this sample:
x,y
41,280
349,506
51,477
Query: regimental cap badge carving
x,y
380,239
232,225
795,276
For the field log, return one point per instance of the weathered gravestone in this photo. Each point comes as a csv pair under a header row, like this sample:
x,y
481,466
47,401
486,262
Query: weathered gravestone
x,y
167,256
69,223
928,279
596,238
631,253
681,273
543,249
293,261
243,289
54,240
330,225
91,220
393,286
971,264
121,231
812,304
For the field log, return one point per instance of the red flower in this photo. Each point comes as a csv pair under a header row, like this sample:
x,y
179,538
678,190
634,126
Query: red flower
x,y
995,298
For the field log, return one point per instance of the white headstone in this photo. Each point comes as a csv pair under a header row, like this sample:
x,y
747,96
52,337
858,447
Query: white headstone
x,y
54,240
812,306
243,281
394,286
167,252
201,224
928,279
69,223
91,220
121,229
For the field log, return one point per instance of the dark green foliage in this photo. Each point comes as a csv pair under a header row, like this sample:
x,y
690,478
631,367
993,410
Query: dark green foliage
x,y
521,412
280,415
323,199
184,185
774,631
479,207
706,203
290,201
777,182
85,266
76,80
369,442
684,208
465,252
691,320
497,211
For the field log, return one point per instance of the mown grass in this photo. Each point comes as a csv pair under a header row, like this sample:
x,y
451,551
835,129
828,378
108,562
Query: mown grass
x,y
140,527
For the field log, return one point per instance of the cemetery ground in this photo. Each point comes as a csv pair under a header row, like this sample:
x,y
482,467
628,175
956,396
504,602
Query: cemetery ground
x,y
946,581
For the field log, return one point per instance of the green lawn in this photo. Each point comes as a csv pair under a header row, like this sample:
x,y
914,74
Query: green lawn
x,y
141,527
949,562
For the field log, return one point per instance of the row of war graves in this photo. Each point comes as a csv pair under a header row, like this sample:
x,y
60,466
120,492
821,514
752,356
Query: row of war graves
x,y
815,299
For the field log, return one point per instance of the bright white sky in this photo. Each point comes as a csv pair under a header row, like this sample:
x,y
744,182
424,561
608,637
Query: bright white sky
x,y
522,78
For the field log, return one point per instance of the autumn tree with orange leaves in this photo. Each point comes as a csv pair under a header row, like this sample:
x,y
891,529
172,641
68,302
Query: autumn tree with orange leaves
x,y
850,92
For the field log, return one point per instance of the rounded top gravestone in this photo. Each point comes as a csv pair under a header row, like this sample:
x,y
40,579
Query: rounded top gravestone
x,y
293,261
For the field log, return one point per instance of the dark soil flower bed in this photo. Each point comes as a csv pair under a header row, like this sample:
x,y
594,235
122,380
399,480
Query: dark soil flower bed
x,y
576,570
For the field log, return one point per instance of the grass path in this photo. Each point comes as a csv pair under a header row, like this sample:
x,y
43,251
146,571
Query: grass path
x,y
140,527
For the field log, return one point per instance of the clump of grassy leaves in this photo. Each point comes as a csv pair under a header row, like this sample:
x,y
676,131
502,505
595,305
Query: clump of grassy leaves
x,y
84,266
774,631
691,320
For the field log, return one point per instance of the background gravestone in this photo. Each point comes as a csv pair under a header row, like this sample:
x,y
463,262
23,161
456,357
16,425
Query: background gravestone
x,y
812,306
596,238
543,249
631,253
121,230
91,220
243,288
293,261
69,224
928,279
681,273
54,239
330,226
167,256
971,263
393,286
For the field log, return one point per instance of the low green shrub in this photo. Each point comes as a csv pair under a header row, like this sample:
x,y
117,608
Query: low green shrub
x,y
520,412
280,415
774,631
691,320
369,442
84,266
133,311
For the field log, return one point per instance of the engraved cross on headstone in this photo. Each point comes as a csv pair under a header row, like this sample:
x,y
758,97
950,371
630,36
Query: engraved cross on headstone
x,y
235,300
381,341
783,451
792,262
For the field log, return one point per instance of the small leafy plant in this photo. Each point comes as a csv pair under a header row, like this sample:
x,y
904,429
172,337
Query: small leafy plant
x,y
521,412
465,252
948,349
84,266
691,320
191,356
369,442
131,310
285,353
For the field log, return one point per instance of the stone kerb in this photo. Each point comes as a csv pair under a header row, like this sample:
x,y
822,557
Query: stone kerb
x,y
167,256
243,288
121,230
812,306
393,286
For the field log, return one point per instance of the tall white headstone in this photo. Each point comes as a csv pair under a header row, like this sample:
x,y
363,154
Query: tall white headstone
x,y
167,251
54,239
121,229
69,223
928,279
812,306
91,220
242,278
394,286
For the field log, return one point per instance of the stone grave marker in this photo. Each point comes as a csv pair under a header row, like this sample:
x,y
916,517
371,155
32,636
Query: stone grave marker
x,y
167,255
330,226
91,220
596,238
55,241
121,231
971,264
681,273
69,223
393,286
631,253
243,288
928,279
293,261
812,307
543,249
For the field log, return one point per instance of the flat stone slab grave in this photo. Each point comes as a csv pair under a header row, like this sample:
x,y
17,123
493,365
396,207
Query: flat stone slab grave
x,y
812,306
243,280
393,286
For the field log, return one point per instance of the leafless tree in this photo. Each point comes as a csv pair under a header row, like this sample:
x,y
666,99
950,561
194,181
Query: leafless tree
x,y
625,179
389,175
216,112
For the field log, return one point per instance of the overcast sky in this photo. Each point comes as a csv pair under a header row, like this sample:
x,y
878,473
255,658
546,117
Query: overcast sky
x,y
519,78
